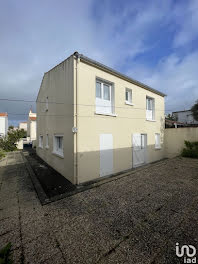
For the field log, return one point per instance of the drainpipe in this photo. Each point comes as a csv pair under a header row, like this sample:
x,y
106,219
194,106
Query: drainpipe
x,y
75,129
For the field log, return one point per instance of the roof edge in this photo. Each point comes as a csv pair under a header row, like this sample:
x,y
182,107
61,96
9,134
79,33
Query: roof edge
x,y
116,73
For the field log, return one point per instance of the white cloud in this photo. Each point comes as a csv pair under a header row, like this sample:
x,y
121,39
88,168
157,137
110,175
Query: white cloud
x,y
186,17
175,76
37,35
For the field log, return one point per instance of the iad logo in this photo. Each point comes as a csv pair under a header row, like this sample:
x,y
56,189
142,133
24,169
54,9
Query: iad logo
x,y
189,251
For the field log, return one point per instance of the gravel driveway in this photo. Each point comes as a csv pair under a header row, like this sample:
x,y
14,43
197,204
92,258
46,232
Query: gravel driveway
x,y
134,219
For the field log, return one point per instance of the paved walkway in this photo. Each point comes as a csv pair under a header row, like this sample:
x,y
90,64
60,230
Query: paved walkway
x,y
136,219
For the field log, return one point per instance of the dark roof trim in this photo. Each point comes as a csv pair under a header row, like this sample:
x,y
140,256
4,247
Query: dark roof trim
x,y
181,111
116,73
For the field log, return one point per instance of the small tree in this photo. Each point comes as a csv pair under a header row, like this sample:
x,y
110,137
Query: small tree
x,y
9,142
194,110
171,117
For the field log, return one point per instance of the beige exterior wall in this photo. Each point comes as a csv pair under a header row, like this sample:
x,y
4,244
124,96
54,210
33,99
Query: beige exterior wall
x,y
174,139
74,84
129,120
57,85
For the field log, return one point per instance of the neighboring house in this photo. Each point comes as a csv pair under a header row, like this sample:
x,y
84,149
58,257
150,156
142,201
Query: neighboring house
x,y
31,126
3,124
173,124
23,125
185,117
93,121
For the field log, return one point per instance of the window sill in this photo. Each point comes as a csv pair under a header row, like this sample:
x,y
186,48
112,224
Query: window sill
x,y
151,120
47,147
128,103
40,147
105,114
158,148
58,154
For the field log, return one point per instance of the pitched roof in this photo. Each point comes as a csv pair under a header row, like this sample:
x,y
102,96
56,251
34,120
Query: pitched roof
x,y
116,73
33,118
3,114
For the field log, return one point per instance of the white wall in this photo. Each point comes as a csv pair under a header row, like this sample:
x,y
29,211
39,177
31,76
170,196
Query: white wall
x,y
185,117
3,125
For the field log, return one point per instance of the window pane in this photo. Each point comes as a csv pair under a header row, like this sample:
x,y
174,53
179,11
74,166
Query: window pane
x,y
129,95
106,91
98,90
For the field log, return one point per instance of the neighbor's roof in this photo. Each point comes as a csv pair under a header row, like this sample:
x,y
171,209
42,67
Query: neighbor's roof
x,y
173,122
182,111
116,73
23,123
33,118
3,114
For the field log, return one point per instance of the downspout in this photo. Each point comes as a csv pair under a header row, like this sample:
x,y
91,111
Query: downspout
x,y
77,57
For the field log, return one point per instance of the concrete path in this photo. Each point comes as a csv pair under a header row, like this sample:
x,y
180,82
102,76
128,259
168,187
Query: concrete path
x,y
135,219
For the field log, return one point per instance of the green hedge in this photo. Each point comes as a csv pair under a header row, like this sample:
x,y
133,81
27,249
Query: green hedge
x,y
190,150
2,154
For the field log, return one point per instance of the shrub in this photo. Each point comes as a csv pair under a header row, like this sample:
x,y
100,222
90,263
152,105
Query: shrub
x,y
5,257
2,154
191,149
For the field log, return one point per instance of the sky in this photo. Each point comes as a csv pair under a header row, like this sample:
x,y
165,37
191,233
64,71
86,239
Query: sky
x,y
154,42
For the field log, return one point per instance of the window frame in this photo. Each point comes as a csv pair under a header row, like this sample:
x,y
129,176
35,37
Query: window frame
x,y
129,102
47,141
102,83
153,108
40,141
59,152
157,141
104,106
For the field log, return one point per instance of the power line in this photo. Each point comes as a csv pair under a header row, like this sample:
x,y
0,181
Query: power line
x,y
130,107
85,116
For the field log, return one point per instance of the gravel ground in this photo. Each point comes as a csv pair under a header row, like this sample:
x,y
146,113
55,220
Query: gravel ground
x,y
134,219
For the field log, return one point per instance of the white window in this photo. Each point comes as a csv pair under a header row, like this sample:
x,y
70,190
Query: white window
x,y
41,141
58,145
46,103
157,141
150,108
104,97
128,96
47,141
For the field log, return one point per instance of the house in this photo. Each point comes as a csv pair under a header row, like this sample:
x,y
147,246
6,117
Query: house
x,y
93,121
3,124
31,126
23,125
185,117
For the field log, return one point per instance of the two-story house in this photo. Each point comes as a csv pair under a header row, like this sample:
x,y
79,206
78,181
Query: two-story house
x,y
3,124
93,121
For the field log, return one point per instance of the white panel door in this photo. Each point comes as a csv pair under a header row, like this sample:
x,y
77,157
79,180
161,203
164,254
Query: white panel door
x,y
139,149
106,154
